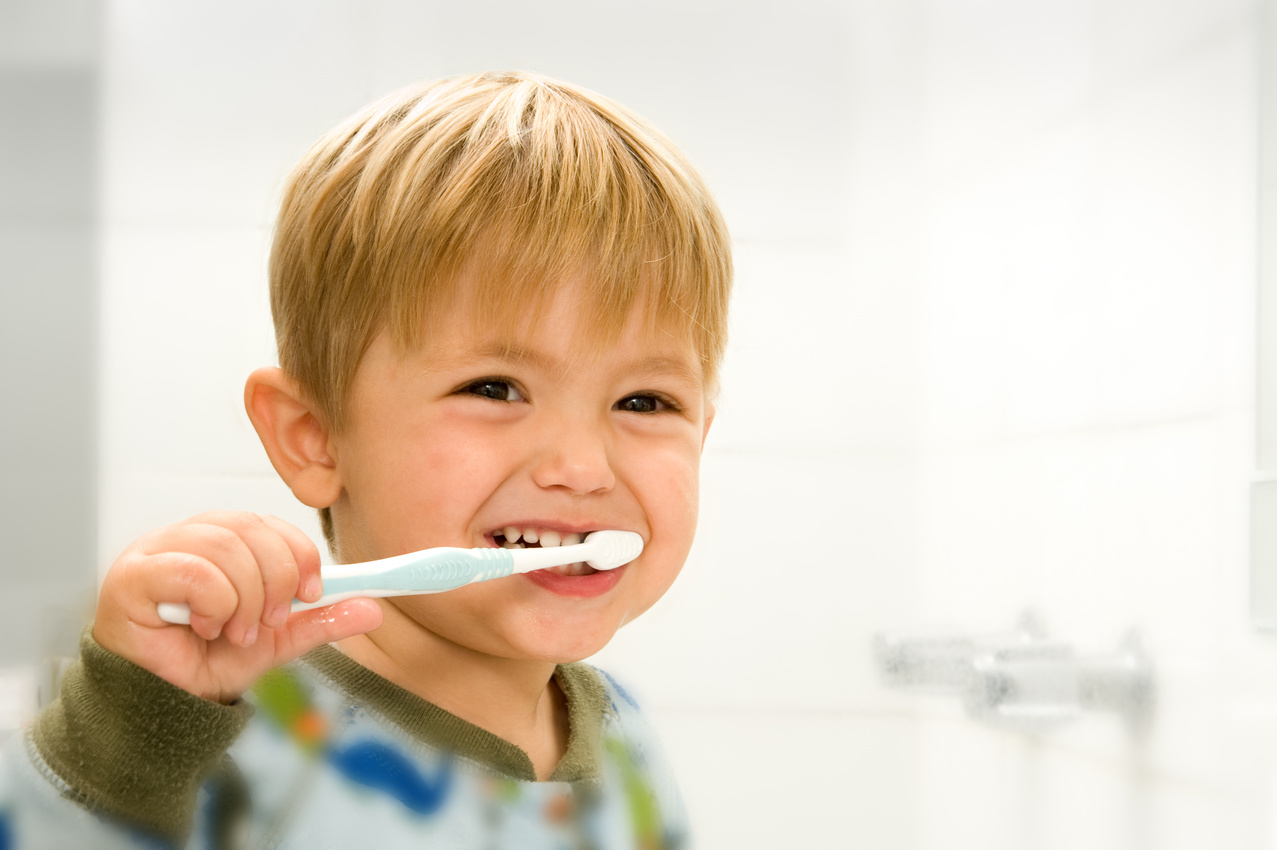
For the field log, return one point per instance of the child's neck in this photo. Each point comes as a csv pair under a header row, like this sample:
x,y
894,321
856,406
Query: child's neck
x,y
513,699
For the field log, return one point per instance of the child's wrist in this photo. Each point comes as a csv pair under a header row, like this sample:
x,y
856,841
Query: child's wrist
x,y
129,743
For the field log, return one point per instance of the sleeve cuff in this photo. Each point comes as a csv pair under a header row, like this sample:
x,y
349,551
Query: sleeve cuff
x,y
131,745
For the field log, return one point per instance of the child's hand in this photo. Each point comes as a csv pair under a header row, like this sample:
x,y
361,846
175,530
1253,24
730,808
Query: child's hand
x,y
239,573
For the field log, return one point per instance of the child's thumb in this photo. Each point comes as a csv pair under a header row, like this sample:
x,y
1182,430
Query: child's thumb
x,y
308,629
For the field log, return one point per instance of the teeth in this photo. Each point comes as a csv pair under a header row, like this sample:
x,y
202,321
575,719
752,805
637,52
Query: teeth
x,y
577,569
517,538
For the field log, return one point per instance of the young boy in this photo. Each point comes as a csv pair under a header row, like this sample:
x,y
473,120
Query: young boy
x,y
500,303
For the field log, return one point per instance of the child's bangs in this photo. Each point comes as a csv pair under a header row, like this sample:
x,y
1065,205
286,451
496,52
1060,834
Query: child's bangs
x,y
545,194
505,288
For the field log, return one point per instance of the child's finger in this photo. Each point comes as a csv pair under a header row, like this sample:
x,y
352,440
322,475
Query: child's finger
x,y
207,537
308,629
305,556
178,577
275,561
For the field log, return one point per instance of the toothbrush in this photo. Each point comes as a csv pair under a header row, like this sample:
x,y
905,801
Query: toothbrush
x,y
445,568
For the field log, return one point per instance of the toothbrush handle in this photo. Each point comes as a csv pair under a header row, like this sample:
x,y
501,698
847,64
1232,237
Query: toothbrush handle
x,y
428,571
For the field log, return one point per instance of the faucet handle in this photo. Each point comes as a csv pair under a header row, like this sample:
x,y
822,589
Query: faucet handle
x,y
1021,680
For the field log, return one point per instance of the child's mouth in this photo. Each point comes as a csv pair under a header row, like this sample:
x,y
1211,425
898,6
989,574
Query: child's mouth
x,y
513,537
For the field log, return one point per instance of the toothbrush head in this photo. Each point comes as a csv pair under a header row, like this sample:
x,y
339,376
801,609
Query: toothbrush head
x,y
613,548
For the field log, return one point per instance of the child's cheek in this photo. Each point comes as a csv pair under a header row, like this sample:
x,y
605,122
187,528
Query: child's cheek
x,y
466,452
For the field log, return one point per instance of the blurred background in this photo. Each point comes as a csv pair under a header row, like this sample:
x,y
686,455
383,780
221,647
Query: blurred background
x,y
993,356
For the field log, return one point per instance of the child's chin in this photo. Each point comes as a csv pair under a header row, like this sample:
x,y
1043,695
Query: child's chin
x,y
569,646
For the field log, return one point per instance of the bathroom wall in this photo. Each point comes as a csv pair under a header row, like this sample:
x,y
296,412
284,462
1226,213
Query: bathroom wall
x,y
991,351
48,325
1085,430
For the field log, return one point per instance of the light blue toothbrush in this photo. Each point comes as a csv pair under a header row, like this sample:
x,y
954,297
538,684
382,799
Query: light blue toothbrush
x,y
446,568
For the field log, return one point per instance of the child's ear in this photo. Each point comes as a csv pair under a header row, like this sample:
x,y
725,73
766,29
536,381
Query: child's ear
x,y
710,410
294,436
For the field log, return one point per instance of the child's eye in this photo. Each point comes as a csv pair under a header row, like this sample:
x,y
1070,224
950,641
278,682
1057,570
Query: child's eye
x,y
496,389
644,403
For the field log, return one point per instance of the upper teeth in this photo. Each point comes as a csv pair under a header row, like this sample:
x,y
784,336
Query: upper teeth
x,y
546,537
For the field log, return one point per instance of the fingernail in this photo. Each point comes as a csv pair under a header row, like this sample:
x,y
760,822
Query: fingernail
x,y
278,616
250,636
313,589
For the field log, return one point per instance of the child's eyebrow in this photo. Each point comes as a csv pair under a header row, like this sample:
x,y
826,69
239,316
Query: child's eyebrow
x,y
676,368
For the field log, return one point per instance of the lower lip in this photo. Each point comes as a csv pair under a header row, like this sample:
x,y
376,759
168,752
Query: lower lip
x,y
581,587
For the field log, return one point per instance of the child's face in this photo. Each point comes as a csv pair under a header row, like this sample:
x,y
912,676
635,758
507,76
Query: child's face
x,y
477,432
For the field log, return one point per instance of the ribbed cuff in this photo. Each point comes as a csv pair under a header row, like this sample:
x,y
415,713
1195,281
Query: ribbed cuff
x,y
131,745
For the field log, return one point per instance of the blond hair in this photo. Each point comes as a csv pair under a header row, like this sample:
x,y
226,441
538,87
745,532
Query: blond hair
x,y
515,181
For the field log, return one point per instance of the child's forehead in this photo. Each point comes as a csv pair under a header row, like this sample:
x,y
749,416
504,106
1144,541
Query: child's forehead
x,y
556,332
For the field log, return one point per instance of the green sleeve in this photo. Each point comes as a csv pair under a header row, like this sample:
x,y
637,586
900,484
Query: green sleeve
x,y
130,745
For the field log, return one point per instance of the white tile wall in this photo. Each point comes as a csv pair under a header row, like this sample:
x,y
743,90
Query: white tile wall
x,y
817,357
47,324
991,350
186,318
207,105
1034,794
1086,404
797,779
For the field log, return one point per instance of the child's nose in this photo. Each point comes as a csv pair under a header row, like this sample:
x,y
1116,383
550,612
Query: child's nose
x,y
574,457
